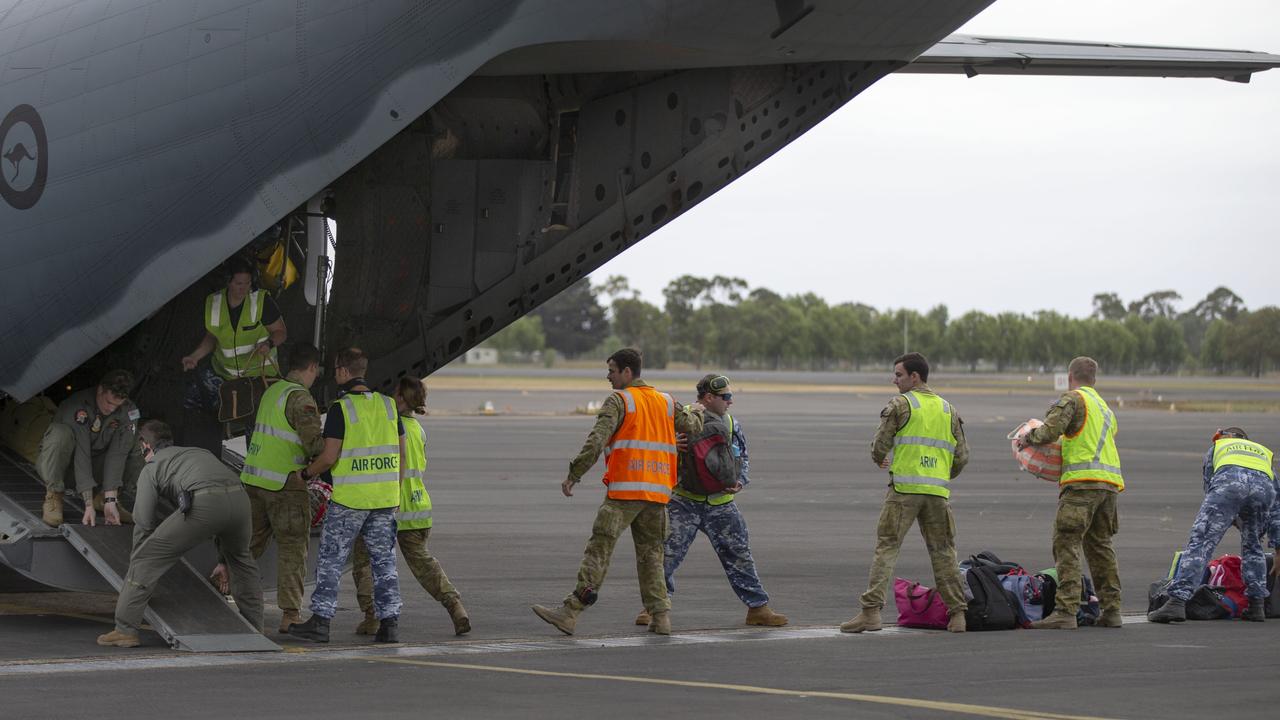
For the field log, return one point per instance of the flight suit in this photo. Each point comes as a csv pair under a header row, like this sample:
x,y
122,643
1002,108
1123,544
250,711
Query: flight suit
x,y
83,448
219,509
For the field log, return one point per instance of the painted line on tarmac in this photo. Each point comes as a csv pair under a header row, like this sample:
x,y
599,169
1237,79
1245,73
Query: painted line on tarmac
x,y
126,660
949,707
15,610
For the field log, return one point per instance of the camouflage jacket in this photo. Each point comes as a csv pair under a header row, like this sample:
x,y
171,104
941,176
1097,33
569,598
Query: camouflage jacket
x,y
1066,417
894,417
304,417
609,419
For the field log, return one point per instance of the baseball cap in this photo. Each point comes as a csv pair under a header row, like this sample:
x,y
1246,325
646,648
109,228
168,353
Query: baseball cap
x,y
714,384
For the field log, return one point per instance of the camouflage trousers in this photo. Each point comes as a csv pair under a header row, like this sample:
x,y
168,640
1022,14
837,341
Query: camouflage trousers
x,y
1234,492
648,523
937,527
413,546
727,530
1086,520
342,525
286,516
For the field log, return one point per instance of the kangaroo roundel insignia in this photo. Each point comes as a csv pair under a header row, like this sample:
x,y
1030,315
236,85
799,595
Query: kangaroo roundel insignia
x,y
24,157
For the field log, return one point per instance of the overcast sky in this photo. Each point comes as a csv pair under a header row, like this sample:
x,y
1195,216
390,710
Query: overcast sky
x,y
1015,193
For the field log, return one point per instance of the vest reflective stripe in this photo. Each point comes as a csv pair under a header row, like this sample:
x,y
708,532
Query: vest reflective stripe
x,y
720,498
641,456
924,448
275,450
1090,455
1243,453
415,502
367,474
235,345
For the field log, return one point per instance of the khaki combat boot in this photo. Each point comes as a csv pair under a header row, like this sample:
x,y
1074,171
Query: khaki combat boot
x,y
1111,619
764,615
115,638
458,614
289,618
868,620
52,510
644,618
956,623
661,623
564,618
369,625
1057,620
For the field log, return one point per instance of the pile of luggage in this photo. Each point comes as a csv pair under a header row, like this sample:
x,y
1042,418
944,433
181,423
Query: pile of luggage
x,y
1220,593
1001,596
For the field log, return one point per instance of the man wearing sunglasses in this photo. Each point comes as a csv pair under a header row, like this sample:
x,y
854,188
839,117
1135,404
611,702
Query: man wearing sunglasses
x,y
926,437
712,471
636,430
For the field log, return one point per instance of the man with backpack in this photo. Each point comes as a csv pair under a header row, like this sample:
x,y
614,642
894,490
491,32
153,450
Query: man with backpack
x,y
1239,488
926,436
711,472
1088,487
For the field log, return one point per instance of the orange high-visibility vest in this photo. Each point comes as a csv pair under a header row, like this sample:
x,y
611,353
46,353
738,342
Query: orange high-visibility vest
x,y
640,459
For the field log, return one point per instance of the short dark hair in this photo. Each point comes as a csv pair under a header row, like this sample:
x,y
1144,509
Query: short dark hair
x,y
1084,369
156,433
118,383
353,360
413,392
914,362
237,265
627,358
303,355
1235,432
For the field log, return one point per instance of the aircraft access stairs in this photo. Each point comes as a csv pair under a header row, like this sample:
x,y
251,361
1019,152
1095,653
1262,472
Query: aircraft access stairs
x,y
186,610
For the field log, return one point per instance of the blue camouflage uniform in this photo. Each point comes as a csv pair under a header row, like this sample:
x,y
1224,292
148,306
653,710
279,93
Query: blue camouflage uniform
x,y
724,526
1232,492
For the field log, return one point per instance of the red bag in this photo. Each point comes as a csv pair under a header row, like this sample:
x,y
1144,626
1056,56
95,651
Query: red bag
x,y
1225,575
919,606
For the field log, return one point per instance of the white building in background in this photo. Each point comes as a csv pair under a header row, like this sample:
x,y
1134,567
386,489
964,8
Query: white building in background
x,y
481,356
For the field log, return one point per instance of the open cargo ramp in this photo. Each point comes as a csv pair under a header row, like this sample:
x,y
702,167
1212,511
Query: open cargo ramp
x,y
185,609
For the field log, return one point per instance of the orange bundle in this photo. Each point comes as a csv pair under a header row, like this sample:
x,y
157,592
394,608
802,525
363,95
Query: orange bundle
x,y
1043,461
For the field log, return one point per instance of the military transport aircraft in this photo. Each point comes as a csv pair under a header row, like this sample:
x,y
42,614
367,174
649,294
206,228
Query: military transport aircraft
x,y
475,156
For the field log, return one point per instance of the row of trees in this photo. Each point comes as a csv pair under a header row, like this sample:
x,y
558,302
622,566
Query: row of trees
x,y
721,321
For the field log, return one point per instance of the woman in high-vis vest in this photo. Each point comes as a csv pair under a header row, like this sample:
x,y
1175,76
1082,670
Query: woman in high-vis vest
x,y
1239,488
413,522
243,327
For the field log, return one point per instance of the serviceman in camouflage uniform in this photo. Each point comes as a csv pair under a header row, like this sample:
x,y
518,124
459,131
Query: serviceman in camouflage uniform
x,y
91,442
635,428
286,437
1088,488
1239,488
218,509
926,436
364,446
716,514
413,522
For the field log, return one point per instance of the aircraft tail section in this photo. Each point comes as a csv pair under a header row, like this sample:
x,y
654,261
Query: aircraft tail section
x,y
983,55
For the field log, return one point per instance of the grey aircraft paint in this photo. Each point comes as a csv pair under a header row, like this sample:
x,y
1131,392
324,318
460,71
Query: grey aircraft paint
x,y
484,154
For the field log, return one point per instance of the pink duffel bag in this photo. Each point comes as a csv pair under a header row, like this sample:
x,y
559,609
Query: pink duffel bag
x,y
919,606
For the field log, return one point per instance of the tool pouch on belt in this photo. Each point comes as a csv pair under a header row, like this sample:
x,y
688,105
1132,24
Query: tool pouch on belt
x,y
238,398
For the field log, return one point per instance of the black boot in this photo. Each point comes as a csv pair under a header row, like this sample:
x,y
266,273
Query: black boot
x,y
1256,612
388,630
1173,610
315,629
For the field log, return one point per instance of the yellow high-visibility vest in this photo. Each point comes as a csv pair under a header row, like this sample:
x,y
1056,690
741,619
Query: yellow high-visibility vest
x,y
1245,453
924,449
1090,455
415,503
367,474
275,450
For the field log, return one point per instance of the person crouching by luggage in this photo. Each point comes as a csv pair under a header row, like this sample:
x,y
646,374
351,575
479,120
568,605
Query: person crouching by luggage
x,y
926,436
91,443
1088,487
1239,483
364,445
719,456
413,522
211,503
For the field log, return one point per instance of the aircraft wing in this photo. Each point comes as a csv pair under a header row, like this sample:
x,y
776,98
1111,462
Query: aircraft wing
x,y
981,55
